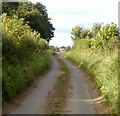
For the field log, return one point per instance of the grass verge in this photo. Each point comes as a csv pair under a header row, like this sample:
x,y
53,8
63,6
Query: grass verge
x,y
103,68
18,77
58,98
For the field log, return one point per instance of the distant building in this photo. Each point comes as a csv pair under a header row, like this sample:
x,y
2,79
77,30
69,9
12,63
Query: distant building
x,y
62,49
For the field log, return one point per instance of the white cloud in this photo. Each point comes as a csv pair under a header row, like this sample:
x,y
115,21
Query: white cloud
x,y
61,39
105,11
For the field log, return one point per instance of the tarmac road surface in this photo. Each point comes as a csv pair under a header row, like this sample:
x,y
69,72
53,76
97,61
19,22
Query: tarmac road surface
x,y
79,101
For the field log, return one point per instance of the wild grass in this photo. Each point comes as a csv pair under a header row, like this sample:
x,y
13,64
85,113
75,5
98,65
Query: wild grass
x,y
16,78
103,67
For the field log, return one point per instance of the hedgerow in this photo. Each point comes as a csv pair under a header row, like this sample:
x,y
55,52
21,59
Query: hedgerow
x,y
24,56
99,57
18,39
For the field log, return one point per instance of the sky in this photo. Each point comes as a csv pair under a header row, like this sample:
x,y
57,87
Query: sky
x,y
66,14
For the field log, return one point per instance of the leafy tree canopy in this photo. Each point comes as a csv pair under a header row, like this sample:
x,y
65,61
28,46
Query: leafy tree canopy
x,y
97,37
34,14
95,29
80,33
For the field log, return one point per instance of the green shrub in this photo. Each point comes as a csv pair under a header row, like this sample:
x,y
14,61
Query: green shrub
x,y
82,44
112,44
104,35
16,78
24,56
19,40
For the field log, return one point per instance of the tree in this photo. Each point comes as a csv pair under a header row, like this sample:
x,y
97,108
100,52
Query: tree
x,y
95,29
34,14
106,33
68,48
38,19
85,33
57,49
76,32
79,32
9,7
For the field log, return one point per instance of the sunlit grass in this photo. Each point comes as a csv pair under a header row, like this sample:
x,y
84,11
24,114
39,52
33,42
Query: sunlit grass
x,y
103,68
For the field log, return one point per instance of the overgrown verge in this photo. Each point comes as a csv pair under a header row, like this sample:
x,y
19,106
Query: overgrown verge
x,y
24,56
17,78
96,50
58,98
103,68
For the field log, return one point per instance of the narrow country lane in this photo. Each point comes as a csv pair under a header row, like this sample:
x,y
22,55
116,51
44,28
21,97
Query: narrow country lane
x,y
80,101
60,57
33,104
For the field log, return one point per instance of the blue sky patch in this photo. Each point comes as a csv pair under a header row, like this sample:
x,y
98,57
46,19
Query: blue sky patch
x,y
62,30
